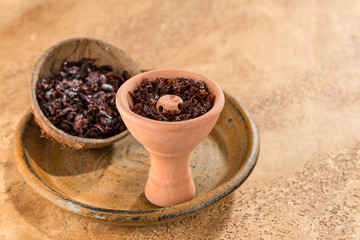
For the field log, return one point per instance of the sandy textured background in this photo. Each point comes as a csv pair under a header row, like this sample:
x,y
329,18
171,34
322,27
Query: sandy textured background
x,y
294,64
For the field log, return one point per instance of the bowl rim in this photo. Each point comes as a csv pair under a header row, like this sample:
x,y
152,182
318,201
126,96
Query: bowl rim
x,y
39,115
125,108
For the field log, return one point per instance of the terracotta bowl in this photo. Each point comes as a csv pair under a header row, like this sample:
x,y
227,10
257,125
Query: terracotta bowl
x,y
74,50
169,143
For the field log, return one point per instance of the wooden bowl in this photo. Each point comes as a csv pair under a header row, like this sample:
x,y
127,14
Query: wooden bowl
x,y
74,50
108,184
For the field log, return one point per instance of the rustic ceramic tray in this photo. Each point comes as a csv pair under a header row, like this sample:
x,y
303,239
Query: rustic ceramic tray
x,y
108,184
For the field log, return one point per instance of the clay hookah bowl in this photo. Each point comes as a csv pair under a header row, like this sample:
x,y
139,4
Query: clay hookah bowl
x,y
169,143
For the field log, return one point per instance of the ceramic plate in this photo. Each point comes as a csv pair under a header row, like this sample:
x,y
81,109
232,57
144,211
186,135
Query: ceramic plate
x,y
108,184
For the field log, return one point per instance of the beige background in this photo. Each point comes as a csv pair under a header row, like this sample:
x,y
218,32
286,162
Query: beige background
x,y
295,65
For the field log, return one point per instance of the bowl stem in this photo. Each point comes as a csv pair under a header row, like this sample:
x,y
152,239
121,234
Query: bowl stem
x,y
170,180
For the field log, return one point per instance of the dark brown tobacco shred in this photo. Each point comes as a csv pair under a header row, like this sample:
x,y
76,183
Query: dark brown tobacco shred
x,y
197,100
80,99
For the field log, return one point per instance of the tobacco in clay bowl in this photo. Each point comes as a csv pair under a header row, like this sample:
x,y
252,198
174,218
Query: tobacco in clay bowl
x,y
170,112
73,91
